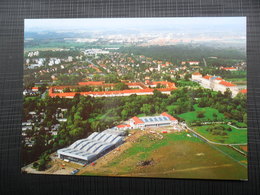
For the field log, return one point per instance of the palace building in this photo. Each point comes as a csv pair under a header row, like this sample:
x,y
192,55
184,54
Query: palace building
x,y
215,83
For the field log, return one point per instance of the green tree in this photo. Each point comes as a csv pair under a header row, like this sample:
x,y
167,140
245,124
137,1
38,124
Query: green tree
x,y
228,93
187,77
120,86
111,78
146,108
67,89
200,114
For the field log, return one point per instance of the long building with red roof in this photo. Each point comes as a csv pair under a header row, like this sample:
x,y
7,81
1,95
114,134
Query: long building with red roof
x,y
229,68
137,88
164,119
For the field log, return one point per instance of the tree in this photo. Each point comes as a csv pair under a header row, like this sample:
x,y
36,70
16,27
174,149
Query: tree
x,y
200,114
146,108
35,165
187,77
228,93
43,161
158,85
95,125
158,94
124,114
111,78
214,115
120,86
245,118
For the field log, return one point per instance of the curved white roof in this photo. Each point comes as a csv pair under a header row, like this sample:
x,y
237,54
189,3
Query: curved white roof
x,y
91,146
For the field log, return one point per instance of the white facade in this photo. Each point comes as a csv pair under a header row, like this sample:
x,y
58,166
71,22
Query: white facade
x,y
215,83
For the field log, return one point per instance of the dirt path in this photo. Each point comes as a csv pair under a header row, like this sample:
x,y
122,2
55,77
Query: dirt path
x,y
180,170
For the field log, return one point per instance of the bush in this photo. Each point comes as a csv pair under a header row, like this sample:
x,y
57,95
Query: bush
x,y
43,161
35,165
239,124
200,114
42,165
218,130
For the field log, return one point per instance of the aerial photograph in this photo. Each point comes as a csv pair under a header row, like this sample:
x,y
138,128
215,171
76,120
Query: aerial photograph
x,y
135,97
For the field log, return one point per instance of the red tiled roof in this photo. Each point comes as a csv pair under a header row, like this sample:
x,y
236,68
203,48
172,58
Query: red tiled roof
x,y
207,77
244,91
218,78
169,116
229,68
132,84
123,126
129,91
196,73
137,120
227,84
92,83
35,87
170,86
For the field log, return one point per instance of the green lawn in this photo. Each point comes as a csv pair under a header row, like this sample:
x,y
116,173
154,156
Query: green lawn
x,y
236,136
192,116
237,79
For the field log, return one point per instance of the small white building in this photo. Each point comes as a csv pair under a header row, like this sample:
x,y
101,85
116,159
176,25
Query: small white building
x,y
196,76
193,62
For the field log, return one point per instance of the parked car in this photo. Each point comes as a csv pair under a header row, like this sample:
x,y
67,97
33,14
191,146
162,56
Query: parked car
x,y
74,171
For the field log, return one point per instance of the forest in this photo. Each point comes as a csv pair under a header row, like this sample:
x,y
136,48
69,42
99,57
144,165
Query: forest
x,y
178,53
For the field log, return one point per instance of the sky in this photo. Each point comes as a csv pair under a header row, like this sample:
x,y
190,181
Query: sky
x,y
180,24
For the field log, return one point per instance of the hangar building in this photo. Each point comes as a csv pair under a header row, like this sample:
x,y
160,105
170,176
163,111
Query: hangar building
x,y
89,149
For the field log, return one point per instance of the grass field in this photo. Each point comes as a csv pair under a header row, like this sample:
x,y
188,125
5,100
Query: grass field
x,y
175,156
236,136
192,116
243,79
232,153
